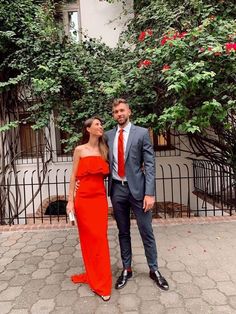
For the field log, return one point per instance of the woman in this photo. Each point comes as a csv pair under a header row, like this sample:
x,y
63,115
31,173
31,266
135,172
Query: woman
x,y
91,209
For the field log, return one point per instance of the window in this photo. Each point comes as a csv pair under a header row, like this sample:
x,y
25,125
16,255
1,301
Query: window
x,y
160,140
71,19
60,147
31,142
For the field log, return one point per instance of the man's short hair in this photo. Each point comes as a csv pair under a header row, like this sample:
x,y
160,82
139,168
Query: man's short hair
x,y
118,101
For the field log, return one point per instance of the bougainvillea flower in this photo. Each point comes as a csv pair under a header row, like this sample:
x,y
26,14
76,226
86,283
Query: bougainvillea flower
x,y
144,63
230,47
142,35
166,67
175,36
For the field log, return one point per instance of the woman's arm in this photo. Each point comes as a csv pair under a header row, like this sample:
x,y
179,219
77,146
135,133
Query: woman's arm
x,y
76,158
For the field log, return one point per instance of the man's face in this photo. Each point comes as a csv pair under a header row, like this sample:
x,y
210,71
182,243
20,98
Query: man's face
x,y
121,114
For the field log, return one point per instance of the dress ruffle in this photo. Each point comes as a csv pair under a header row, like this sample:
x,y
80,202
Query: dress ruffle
x,y
92,165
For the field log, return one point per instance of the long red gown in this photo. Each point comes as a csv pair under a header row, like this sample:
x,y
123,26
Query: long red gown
x,y
91,209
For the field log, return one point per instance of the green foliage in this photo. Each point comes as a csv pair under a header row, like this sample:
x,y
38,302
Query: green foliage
x,y
171,63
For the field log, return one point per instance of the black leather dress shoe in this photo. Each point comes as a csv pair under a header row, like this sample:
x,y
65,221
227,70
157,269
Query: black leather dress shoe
x,y
159,280
122,280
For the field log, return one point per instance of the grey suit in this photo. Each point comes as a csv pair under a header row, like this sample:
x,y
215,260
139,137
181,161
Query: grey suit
x,y
140,174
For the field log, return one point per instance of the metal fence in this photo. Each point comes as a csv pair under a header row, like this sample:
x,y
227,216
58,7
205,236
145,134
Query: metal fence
x,y
182,190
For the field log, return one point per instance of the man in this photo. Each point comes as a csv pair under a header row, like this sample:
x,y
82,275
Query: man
x,y
132,185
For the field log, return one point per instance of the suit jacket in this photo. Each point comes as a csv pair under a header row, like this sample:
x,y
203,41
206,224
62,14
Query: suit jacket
x,y
139,162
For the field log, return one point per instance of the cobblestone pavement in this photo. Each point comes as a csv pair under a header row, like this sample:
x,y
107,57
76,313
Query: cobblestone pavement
x,y
198,261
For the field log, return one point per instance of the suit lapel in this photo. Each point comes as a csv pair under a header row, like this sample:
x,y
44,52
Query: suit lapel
x,y
130,138
111,144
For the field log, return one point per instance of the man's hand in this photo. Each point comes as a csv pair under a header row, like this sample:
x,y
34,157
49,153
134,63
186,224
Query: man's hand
x,y
148,202
76,185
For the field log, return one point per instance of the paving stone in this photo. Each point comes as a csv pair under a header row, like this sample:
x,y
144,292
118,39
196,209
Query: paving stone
x,y
218,275
19,280
171,299
68,285
51,256
108,309
143,280
12,253
66,298
8,274
18,245
34,285
55,247
189,290
43,306
224,309
67,250
46,264
129,303
232,302
204,282
10,293
58,240
214,297
5,307
28,249
15,265
43,245
88,304
64,259
63,310
150,307
84,291
60,268
41,273
19,311
55,278
227,287
27,269
4,261
210,287
148,293
49,291
26,300
181,277
33,260
22,256
177,310
175,266
39,252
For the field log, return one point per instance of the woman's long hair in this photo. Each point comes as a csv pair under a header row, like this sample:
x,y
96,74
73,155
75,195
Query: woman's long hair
x,y
103,148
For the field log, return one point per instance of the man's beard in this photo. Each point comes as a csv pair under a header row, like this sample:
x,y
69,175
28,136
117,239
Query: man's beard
x,y
123,123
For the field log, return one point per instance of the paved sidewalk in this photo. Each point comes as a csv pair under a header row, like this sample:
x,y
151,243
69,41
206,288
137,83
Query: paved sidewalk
x,y
198,260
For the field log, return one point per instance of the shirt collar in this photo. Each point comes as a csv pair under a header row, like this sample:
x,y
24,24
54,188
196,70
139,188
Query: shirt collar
x,y
126,128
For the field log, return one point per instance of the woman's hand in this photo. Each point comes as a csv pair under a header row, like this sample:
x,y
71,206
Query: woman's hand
x,y
70,207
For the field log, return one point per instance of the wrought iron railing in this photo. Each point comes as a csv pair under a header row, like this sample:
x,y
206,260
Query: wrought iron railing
x,y
31,196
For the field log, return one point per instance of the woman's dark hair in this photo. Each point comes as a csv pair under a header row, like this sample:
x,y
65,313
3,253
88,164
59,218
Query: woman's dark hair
x,y
85,136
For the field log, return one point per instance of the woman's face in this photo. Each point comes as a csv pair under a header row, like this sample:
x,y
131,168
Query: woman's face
x,y
96,128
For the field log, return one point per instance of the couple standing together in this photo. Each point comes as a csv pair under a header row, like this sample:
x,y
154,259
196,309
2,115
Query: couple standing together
x,y
131,185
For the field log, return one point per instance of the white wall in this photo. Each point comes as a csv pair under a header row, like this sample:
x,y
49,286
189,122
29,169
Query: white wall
x,y
101,19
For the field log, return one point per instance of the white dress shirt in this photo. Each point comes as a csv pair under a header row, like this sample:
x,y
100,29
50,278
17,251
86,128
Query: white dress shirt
x,y
115,151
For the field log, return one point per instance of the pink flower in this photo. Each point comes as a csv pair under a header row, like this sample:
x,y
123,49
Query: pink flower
x,y
201,49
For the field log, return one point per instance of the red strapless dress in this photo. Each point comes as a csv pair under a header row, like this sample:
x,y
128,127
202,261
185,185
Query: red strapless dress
x,y
91,209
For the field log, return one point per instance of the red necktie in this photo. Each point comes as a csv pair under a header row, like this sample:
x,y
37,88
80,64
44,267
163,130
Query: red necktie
x,y
121,155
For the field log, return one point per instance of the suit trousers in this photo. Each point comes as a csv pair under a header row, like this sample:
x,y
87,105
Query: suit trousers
x,y
122,201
